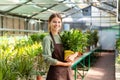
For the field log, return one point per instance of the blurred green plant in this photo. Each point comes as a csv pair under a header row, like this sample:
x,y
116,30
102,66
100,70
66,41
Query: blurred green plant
x,y
92,39
17,57
38,36
118,59
95,37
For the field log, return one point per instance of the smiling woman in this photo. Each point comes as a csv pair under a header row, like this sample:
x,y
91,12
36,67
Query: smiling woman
x,y
53,51
55,24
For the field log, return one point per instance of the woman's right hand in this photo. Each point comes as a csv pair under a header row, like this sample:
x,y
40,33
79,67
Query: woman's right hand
x,y
59,63
68,63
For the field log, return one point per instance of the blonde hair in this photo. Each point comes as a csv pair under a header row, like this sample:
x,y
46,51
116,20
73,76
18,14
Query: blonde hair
x,y
51,17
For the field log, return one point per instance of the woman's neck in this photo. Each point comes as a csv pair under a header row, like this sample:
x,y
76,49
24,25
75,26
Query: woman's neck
x,y
54,33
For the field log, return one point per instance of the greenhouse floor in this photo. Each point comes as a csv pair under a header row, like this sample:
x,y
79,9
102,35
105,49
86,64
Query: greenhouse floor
x,y
104,68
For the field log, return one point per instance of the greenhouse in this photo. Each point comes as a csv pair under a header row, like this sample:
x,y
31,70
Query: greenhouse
x,y
90,28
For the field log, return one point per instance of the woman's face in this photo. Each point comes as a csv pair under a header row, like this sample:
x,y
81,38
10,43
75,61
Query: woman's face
x,y
55,24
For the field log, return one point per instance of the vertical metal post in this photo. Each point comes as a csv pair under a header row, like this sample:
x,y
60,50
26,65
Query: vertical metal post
x,y
75,76
19,25
119,30
88,62
13,21
100,21
26,26
6,22
2,25
84,66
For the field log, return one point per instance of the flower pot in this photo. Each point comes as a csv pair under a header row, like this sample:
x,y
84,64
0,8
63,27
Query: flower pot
x,y
87,49
39,77
80,54
67,53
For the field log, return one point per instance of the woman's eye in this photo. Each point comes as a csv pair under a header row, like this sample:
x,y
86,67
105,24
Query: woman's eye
x,y
56,22
59,22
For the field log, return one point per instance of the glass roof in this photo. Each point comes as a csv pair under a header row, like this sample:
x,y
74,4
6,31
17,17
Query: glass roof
x,y
41,9
27,10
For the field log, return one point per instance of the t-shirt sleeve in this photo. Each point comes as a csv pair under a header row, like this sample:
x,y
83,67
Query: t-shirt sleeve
x,y
47,51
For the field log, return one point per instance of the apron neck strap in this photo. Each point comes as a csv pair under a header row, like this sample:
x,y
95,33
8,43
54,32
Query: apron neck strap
x,y
52,37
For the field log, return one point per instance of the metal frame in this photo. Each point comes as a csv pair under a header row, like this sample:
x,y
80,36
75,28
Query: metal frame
x,y
79,61
76,3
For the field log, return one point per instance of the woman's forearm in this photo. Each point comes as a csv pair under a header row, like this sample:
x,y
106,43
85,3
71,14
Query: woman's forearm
x,y
59,63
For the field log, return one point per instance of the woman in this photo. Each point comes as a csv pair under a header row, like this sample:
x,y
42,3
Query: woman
x,y
53,51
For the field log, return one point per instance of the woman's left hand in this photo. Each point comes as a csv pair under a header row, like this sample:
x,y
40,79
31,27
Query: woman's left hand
x,y
72,57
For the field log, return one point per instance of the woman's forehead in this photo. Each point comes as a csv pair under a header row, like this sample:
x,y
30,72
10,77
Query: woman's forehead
x,y
56,19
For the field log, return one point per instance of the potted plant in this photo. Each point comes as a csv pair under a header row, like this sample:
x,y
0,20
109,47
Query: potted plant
x,y
95,37
89,40
39,75
41,68
74,41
